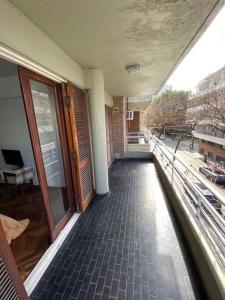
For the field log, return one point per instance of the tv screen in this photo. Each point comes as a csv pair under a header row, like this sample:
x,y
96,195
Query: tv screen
x,y
13,157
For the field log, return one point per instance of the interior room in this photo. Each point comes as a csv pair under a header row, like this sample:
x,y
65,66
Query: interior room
x,y
22,211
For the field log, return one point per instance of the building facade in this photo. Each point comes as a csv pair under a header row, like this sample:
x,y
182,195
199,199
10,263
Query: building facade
x,y
136,108
206,110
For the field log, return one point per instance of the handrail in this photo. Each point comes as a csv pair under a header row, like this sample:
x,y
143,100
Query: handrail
x,y
209,220
134,137
210,208
189,170
139,132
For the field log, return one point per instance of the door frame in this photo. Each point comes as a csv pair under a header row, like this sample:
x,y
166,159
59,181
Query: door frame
x,y
25,76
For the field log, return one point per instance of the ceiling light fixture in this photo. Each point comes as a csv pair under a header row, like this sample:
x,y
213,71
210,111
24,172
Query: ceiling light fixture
x,y
133,68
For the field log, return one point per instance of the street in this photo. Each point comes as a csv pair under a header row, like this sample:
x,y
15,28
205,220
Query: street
x,y
192,159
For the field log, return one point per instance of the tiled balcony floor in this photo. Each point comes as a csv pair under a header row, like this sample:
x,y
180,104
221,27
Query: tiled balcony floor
x,y
125,246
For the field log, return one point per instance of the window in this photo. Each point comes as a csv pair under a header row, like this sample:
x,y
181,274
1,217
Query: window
x,y
130,115
220,159
202,151
218,146
210,154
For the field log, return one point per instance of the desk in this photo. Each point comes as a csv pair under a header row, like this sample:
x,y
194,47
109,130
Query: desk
x,y
21,176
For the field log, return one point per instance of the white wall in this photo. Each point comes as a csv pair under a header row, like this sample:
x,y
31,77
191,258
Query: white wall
x,y
19,33
14,132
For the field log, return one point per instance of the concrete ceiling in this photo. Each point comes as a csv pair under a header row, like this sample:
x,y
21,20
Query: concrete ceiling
x,y
115,33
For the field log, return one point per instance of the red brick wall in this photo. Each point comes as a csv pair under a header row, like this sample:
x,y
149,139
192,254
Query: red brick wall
x,y
119,125
212,149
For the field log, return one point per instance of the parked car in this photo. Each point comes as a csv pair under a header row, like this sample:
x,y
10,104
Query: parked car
x,y
162,137
215,175
206,193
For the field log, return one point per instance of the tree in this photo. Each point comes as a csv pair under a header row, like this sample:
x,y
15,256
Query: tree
x,y
211,111
167,110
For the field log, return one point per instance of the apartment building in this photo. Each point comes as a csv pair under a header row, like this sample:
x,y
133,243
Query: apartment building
x,y
206,109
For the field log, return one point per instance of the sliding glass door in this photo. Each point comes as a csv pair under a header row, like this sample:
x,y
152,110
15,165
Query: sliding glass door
x,y
44,108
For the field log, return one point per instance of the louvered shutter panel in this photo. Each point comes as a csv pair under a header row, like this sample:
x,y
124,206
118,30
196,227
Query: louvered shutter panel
x,y
81,142
11,286
7,288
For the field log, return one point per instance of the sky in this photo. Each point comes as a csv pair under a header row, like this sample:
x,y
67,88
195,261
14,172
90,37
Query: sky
x,y
207,56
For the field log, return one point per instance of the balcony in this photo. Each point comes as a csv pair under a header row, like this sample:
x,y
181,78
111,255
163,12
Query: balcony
x,y
127,245
208,136
130,243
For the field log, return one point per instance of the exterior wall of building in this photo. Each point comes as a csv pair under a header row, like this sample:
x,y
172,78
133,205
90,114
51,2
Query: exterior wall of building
x,y
139,109
214,80
212,140
142,121
134,125
119,125
212,151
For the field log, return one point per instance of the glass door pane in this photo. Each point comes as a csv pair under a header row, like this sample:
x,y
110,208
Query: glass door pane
x,y
43,97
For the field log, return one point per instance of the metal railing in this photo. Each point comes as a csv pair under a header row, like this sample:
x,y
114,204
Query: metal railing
x,y
136,138
210,221
216,134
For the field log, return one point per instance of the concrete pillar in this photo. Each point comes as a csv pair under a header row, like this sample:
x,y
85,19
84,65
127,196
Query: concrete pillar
x,y
95,84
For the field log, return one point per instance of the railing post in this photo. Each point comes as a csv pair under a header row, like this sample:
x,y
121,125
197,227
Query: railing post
x,y
155,146
198,209
210,221
172,171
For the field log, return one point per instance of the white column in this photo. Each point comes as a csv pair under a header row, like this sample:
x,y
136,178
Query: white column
x,y
95,83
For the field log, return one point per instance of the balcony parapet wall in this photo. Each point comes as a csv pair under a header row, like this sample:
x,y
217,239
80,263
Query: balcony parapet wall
x,y
211,276
210,138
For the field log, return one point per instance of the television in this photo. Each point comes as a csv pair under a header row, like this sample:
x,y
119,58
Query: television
x,y
13,157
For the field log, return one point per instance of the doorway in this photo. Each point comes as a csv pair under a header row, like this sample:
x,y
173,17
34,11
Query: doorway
x,y
36,192
22,212
44,109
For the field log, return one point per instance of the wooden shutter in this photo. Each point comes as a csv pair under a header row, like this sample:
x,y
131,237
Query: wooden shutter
x,y
11,286
81,152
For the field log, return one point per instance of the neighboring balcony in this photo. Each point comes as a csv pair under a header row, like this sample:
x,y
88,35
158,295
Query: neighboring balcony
x,y
206,135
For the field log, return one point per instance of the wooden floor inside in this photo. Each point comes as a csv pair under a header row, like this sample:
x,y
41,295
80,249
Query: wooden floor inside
x,y
28,248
